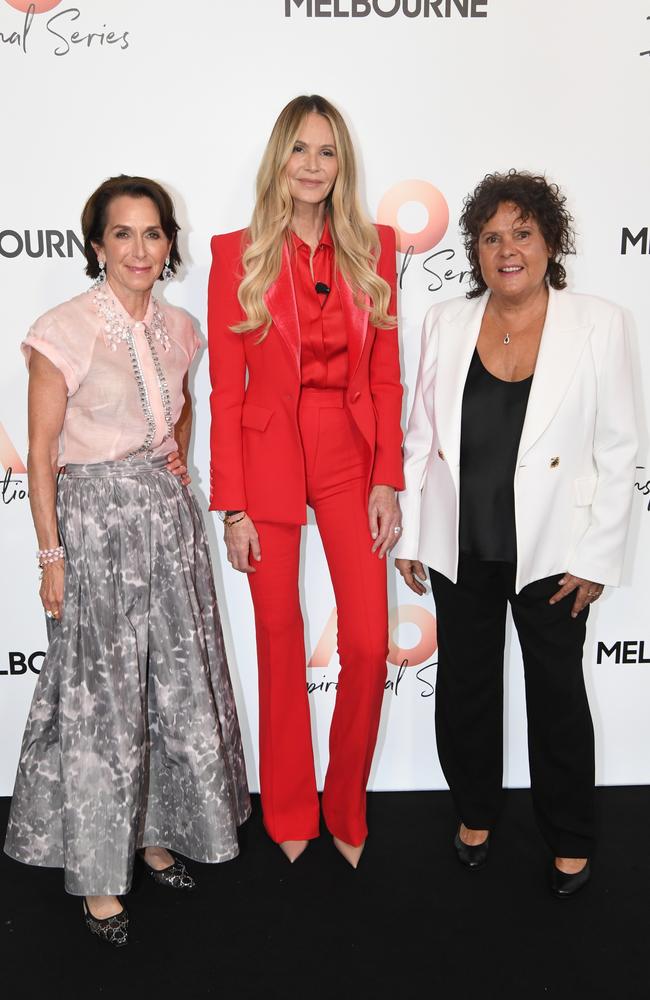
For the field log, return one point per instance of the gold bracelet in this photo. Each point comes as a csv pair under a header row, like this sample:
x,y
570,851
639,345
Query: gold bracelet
x,y
229,524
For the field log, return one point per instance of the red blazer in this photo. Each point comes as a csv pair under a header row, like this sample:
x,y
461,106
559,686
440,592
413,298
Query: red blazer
x,y
257,461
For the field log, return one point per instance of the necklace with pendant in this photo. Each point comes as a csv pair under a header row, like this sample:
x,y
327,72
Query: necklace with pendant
x,y
507,338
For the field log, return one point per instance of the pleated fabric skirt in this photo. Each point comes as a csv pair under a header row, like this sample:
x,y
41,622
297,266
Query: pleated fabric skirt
x,y
132,738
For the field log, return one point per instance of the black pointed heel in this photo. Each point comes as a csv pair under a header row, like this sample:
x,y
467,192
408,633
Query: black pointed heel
x,y
563,885
471,857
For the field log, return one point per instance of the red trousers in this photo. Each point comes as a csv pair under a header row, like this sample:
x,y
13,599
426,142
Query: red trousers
x,y
336,465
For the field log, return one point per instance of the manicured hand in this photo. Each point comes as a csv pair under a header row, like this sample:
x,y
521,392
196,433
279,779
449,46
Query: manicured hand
x,y
51,591
384,519
242,542
586,592
412,572
176,465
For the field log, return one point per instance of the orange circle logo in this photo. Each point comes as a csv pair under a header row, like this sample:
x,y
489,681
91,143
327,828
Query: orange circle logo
x,y
40,6
435,205
412,614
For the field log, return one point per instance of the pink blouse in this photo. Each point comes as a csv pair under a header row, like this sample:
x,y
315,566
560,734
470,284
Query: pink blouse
x,y
124,378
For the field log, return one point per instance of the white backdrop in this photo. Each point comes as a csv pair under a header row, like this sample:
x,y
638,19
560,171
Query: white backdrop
x,y
186,91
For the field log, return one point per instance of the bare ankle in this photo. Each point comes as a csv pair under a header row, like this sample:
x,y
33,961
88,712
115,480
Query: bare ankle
x,y
472,837
102,907
570,866
158,857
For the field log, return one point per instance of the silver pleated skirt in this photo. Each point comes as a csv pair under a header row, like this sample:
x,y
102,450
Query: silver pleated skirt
x,y
132,738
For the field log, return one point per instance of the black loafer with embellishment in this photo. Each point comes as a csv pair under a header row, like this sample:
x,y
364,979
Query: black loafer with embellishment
x,y
112,930
175,876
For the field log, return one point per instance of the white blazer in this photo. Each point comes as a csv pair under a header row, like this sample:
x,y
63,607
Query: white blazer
x,y
575,466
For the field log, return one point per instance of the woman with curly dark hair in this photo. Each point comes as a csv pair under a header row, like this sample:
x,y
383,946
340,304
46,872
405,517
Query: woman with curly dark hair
x,y
519,465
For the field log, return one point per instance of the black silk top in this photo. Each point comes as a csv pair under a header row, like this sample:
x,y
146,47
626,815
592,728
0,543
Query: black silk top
x,y
491,424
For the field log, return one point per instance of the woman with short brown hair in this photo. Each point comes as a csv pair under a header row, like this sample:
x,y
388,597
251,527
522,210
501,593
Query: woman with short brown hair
x,y
132,741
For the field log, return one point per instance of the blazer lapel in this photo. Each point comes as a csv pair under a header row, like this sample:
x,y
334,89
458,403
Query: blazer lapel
x,y
280,300
457,340
356,324
563,341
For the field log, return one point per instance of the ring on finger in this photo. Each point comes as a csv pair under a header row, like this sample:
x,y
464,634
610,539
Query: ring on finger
x,y
49,614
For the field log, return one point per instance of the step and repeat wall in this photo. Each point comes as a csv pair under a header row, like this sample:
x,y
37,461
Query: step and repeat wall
x,y
437,93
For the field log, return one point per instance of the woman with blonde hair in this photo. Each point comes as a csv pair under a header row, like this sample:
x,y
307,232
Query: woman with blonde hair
x,y
306,406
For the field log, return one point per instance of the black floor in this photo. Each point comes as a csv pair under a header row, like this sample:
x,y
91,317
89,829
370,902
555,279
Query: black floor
x,y
409,923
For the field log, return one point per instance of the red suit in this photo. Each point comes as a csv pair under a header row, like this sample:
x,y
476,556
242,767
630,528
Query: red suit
x,y
318,422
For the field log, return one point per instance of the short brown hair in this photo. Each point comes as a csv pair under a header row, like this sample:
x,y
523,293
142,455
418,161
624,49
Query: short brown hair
x,y
535,197
93,217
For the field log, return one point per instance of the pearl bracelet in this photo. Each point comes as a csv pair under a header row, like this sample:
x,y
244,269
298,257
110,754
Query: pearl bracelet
x,y
47,556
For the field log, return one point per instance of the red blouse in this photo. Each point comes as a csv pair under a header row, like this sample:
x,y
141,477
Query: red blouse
x,y
323,337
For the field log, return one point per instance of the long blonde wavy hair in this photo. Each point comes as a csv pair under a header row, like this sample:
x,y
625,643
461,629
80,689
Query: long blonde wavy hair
x,y
355,239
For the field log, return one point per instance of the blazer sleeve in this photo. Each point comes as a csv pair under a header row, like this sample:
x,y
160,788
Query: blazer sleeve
x,y
417,445
385,384
227,377
599,554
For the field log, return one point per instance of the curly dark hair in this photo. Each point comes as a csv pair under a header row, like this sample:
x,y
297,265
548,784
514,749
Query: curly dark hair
x,y
535,197
93,217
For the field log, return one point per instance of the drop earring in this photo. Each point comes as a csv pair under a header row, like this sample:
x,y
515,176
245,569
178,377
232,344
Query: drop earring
x,y
167,272
101,277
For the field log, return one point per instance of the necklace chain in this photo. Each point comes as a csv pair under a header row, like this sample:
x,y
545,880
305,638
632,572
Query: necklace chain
x,y
118,330
507,338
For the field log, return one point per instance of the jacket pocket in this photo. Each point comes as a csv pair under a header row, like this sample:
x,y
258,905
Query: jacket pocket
x,y
584,489
255,417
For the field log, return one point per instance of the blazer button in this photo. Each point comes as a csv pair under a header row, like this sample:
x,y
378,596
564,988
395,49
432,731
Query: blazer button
x,y
555,461
356,397
441,455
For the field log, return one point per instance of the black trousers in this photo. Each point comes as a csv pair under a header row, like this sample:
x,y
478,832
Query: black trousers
x,y
469,701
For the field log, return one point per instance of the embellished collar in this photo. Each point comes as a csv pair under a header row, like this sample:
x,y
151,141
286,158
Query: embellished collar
x,y
118,324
